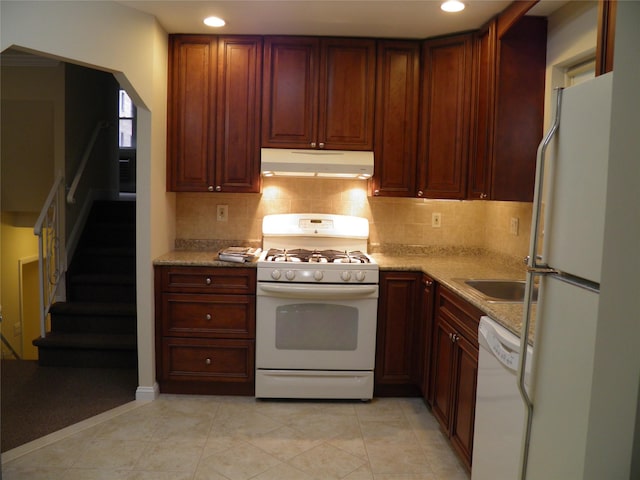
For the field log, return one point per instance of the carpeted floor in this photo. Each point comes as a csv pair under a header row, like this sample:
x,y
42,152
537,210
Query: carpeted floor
x,y
37,400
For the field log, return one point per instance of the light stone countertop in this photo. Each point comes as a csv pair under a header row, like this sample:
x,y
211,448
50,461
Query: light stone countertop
x,y
448,270
197,258
443,267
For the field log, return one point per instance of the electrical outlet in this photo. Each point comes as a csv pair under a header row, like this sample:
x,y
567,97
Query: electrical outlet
x,y
514,225
222,213
17,329
436,220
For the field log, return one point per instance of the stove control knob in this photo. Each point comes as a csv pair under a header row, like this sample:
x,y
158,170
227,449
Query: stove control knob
x,y
360,276
290,274
345,276
276,274
318,275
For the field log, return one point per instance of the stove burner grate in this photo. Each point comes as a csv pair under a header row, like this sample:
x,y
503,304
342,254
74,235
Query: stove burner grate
x,y
316,256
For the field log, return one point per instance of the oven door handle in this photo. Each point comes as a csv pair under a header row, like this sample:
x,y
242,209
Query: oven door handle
x,y
314,291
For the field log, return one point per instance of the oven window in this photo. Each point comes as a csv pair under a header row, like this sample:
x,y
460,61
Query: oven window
x,y
316,326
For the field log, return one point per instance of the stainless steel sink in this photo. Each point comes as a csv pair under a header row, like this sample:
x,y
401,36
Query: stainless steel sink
x,y
500,290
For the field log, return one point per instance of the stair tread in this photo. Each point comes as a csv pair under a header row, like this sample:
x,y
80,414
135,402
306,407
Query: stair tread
x,y
87,341
93,308
99,328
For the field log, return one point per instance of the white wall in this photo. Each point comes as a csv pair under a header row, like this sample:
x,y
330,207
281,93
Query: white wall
x,y
572,36
130,44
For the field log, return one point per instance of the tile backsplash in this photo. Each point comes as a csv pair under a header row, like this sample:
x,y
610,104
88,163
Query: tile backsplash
x,y
393,221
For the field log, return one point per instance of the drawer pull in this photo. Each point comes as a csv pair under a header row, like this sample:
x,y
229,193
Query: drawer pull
x,y
207,361
208,281
208,316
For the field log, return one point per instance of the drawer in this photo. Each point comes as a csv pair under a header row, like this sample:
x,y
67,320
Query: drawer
x,y
464,316
208,360
208,280
227,316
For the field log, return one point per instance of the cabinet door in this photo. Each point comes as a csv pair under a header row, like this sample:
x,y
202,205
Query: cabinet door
x,y
464,400
442,371
191,121
479,186
397,94
397,368
347,94
426,316
519,109
290,94
238,119
446,98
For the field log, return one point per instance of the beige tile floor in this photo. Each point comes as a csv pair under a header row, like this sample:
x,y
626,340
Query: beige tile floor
x,y
235,438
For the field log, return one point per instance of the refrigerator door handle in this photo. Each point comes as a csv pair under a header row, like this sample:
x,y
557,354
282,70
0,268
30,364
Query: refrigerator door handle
x,y
534,269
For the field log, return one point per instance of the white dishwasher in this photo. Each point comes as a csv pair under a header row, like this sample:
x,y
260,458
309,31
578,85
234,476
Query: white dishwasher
x,y
500,411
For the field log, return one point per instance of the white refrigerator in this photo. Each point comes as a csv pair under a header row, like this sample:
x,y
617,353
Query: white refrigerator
x,y
565,257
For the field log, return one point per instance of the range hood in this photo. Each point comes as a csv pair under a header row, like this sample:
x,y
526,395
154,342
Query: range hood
x,y
316,163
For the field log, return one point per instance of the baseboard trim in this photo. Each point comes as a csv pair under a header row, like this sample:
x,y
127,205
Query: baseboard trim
x,y
147,393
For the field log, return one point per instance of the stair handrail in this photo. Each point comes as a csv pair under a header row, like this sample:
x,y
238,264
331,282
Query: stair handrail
x,y
51,260
5,342
71,194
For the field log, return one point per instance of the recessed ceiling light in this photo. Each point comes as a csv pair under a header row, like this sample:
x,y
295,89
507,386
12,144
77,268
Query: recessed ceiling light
x,y
452,6
214,22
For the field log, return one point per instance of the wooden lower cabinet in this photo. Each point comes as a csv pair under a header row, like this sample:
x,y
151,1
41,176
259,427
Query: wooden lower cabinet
x,y
454,369
205,330
426,318
398,369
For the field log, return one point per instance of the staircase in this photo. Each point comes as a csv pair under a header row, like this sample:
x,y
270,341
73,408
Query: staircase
x,y
96,326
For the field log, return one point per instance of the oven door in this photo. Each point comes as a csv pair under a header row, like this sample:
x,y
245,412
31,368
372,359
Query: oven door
x,y
316,326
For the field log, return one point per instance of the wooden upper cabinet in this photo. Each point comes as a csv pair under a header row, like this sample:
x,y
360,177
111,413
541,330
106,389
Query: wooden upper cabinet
x,y
290,95
606,36
191,126
318,93
446,100
508,109
519,109
478,186
214,113
396,131
238,114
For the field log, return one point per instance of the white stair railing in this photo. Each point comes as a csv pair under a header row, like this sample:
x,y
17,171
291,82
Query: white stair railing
x,y
51,257
71,195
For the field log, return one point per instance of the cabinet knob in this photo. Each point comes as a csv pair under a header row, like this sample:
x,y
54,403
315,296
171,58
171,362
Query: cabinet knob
x,y
313,144
208,316
207,361
208,281
210,188
483,196
376,192
428,283
420,193
321,144
218,188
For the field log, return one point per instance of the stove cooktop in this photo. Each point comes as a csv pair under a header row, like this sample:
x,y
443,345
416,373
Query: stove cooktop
x,y
301,255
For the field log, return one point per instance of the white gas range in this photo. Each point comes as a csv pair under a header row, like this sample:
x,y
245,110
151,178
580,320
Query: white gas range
x,y
316,308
